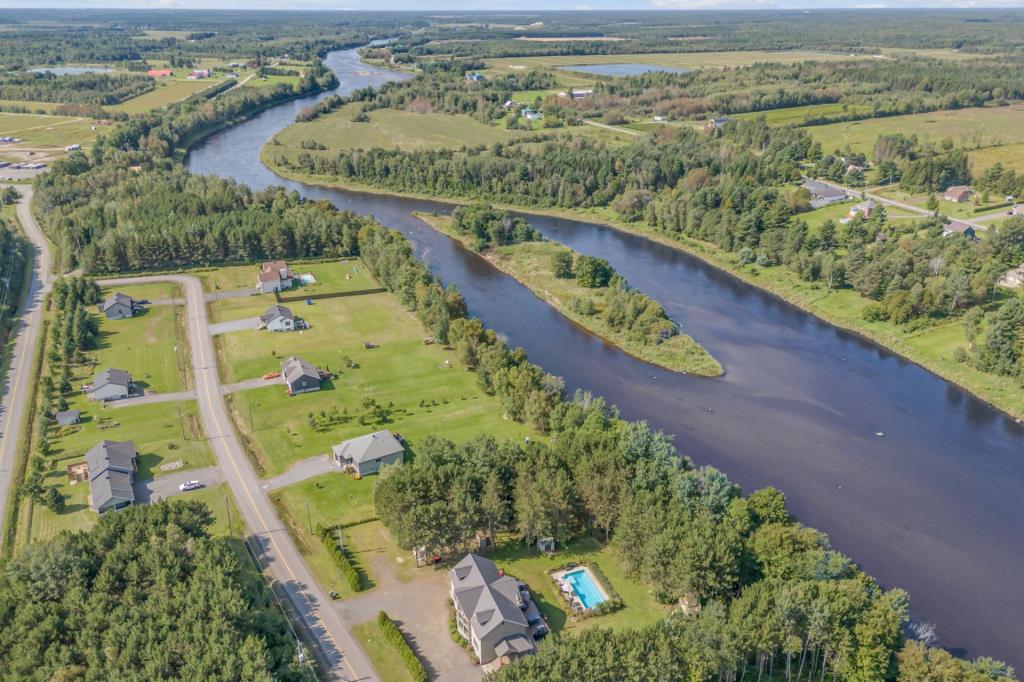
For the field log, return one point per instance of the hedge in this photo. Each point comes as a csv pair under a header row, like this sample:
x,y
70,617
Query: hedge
x,y
397,639
340,557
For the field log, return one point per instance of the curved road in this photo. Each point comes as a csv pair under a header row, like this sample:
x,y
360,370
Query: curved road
x,y
17,390
269,539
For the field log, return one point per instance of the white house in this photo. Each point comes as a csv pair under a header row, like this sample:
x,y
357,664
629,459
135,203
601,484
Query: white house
x,y
274,276
278,318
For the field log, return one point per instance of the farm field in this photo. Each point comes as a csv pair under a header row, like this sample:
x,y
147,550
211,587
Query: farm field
x,y
424,386
33,107
795,116
166,92
46,131
388,128
1010,155
968,128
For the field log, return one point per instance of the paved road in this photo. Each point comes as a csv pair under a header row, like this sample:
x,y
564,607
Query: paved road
x,y
235,325
162,487
18,388
854,192
151,398
270,539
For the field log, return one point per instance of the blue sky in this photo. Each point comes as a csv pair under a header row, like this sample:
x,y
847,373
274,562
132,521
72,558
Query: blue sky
x,y
510,5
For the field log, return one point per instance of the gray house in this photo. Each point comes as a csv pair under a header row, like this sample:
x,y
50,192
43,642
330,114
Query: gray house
x,y
112,466
118,306
300,376
68,417
489,609
822,194
365,455
110,384
278,318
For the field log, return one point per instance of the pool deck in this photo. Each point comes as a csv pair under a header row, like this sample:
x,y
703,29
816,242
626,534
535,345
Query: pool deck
x,y
559,578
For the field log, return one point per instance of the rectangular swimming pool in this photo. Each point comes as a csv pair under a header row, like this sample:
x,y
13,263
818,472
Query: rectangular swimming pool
x,y
583,585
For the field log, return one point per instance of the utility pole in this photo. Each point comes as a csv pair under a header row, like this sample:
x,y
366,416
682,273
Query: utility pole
x,y
181,423
227,506
309,519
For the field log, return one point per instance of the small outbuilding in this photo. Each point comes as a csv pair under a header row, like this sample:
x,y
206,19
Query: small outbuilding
x,y
118,306
366,454
68,417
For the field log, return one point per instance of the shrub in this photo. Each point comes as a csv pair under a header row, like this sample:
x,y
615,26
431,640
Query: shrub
x,y
397,639
340,557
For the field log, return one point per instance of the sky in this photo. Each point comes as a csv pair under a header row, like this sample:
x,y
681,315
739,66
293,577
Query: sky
x,y
511,5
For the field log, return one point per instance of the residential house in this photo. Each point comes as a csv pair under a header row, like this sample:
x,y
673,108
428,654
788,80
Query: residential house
x,y
958,193
957,227
365,455
159,73
274,276
532,114
581,94
300,376
118,306
110,384
822,194
1018,209
68,417
278,318
1013,278
714,124
864,210
112,466
489,609
475,77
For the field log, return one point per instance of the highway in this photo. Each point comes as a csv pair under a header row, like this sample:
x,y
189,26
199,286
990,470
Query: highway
x,y
269,539
18,390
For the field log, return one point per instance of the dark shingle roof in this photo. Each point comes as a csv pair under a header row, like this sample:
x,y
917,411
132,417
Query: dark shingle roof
x,y
117,377
295,368
276,311
115,299
369,447
110,454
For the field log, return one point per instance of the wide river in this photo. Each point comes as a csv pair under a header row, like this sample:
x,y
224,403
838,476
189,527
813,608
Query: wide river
x,y
918,481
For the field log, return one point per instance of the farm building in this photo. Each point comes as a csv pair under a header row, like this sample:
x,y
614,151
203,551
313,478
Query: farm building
x,y
822,194
159,73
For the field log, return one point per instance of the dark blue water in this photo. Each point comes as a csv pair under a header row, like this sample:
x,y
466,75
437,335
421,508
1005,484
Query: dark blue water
x,y
935,505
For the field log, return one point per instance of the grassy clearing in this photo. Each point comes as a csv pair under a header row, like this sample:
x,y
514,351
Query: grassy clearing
x,y
965,209
268,81
390,128
1010,155
34,107
167,92
691,60
150,346
381,652
153,292
530,263
330,277
968,128
46,130
527,564
427,389
796,116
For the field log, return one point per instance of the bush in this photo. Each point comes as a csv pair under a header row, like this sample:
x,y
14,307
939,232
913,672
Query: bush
x,y
875,312
397,639
453,630
592,272
340,557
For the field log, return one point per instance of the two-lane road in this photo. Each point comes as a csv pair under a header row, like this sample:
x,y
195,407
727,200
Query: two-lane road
x,y
270,538
17,391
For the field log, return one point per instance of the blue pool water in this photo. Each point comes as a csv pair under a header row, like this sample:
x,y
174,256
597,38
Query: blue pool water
x,y
584,588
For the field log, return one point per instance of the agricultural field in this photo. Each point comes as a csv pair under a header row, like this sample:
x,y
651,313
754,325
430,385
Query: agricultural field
x,y
389,128
168,91
33,107
44,136
968,128
1010,155
423,386
796,116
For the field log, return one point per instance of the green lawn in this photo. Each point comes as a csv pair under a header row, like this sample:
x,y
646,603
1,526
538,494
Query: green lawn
x,y
46,131
145,345
388,128
530,263
168,91
527,564
1010,155
382,653
268,81
153,292
794,116
964,209
330,277
968,128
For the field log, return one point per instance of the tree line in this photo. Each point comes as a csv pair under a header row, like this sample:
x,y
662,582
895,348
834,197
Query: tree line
x,y
82,88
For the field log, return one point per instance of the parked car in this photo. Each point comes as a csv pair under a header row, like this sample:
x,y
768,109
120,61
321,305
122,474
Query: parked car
x,y
271,375
190,485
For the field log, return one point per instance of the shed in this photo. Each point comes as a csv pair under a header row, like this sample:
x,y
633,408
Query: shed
x,y
68,417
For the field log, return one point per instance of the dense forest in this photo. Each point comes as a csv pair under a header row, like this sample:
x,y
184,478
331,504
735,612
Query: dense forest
x,y
83,88
14,257
146,594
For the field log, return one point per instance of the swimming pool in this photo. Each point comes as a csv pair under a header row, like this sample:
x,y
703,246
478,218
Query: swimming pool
x,y
584,587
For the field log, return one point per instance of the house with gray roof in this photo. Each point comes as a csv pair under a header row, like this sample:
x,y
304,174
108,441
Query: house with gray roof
x,y
490,609
300,376
822,194
956,227
366,454
110,384
278,318
118,306
112,465
68,417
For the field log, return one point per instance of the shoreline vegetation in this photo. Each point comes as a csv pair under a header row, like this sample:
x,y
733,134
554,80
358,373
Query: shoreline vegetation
x,y
998,391
529,264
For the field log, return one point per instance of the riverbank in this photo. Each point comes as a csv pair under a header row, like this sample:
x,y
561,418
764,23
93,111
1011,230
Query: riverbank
x,y
931,348
529,264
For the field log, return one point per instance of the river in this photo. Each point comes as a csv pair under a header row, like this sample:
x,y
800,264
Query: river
x,y
918,481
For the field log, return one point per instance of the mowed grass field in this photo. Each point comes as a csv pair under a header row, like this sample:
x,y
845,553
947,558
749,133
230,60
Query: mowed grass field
x,y
46,130
167,92
425,386
388,128
967,128
796,116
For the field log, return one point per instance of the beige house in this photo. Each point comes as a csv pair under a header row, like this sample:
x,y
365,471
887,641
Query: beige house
x,y
1013,278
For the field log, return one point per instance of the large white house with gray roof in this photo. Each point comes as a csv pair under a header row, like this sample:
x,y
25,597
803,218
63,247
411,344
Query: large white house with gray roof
x,y
491,609
366,454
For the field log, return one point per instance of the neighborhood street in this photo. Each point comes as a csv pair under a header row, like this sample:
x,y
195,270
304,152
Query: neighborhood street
x,y
854,192
18,390
270,539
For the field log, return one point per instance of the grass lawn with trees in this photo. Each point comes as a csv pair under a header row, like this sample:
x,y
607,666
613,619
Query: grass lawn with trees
x,y
531,263
381,652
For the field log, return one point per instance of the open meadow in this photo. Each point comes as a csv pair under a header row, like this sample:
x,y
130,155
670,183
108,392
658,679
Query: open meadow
x,y
167,92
